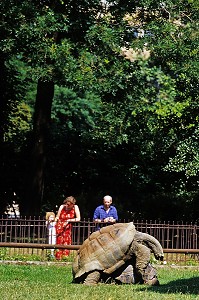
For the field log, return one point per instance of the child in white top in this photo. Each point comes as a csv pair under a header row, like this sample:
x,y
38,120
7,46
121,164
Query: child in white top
x,y
50,224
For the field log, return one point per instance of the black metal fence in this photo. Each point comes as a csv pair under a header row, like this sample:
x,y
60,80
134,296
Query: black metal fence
x,y
172,235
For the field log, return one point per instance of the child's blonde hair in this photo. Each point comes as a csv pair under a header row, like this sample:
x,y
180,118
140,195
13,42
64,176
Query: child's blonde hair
x,y
48,214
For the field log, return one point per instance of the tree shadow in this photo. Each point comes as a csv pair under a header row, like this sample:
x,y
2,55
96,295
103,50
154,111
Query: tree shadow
x,y
182,286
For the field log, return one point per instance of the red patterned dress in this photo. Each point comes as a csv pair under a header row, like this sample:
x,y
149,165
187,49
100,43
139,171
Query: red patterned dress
x,y
64,232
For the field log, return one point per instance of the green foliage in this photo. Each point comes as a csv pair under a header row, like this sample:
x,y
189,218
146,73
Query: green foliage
x,y
186,159
19,123
125,110
75,111
24,255
6,256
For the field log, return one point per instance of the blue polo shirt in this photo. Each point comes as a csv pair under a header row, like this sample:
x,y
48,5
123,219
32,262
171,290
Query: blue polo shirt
x,y
101,213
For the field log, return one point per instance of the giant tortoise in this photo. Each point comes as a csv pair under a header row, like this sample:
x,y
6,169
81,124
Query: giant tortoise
x,y
107,253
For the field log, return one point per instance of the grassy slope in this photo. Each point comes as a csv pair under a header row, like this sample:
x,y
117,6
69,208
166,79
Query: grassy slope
x,y
40,282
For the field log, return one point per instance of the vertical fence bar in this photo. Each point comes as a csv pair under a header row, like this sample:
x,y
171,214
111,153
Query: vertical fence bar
x,y
1,230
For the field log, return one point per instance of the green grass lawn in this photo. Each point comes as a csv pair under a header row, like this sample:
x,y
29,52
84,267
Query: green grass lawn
x,y
40,282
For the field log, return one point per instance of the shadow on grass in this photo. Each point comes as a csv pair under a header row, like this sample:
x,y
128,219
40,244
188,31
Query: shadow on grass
x,y
183,286
188,286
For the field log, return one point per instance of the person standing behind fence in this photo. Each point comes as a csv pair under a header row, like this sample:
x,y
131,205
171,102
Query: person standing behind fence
x,y
50,224
67,214
106,213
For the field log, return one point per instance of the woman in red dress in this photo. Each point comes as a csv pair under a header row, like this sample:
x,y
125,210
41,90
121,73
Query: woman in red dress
x,y
68,212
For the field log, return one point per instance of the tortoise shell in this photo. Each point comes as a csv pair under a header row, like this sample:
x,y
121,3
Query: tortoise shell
x,y
105,249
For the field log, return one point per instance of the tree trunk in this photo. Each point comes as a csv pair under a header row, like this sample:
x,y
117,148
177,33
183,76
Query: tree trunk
x,y
42,116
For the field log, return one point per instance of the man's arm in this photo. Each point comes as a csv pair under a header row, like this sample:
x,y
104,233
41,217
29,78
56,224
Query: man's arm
x,y
115,214
96,215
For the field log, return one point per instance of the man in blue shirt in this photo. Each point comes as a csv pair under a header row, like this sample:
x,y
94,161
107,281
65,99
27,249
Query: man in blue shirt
x,y
106,213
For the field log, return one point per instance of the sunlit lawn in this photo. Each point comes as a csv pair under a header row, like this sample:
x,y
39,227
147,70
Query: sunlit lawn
x,y
54,282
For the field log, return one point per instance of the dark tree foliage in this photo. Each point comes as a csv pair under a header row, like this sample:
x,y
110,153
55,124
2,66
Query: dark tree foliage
x,y
124,116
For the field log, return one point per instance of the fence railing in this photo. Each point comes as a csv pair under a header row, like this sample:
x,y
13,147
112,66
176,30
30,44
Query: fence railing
x,y
171,235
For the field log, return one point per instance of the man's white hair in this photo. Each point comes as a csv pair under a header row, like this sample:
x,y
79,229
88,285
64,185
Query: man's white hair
x,y
107,197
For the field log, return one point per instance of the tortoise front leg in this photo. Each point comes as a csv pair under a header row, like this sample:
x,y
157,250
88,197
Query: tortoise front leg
x,y
92,278
142,258
142,265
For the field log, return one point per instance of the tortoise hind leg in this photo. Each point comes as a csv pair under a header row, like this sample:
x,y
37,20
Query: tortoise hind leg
x,y
92,278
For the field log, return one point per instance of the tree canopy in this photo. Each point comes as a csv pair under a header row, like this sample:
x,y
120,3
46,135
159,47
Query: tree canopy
x,y
101,98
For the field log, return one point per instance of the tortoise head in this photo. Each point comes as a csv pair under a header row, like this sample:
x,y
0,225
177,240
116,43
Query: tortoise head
x,y
151,243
